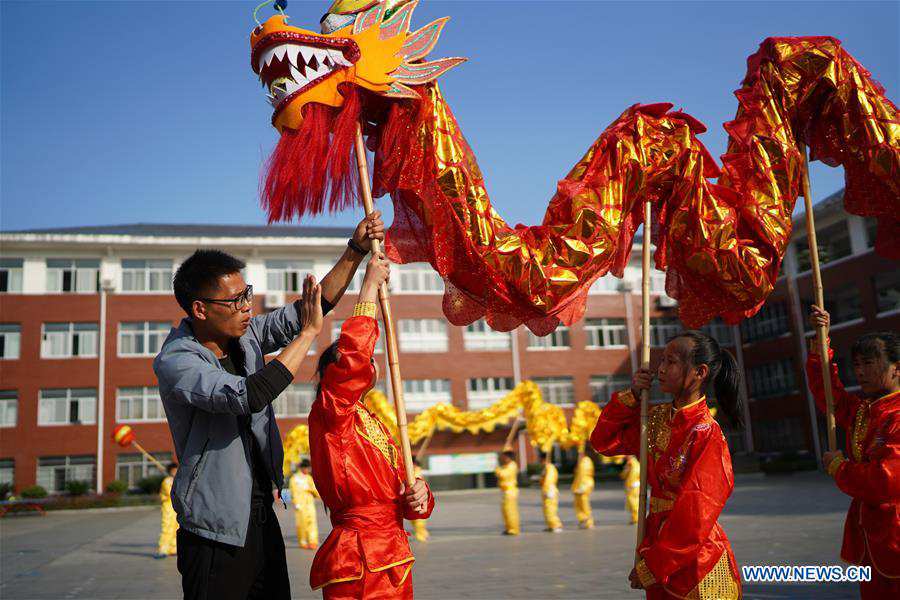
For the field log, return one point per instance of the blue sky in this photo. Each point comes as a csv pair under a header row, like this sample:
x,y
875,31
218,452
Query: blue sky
x,y
120,112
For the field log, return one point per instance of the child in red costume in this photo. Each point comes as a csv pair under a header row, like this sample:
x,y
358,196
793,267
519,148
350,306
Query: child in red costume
x,y
358,468
684,553
871,473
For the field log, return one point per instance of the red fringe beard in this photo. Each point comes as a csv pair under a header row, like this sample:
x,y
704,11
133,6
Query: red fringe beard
x,y
313,165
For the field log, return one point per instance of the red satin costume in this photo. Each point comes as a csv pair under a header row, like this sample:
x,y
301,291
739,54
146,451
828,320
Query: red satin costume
x,y
358,471
870,475
684,553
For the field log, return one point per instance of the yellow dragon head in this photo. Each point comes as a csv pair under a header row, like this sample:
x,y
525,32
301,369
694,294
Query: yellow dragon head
x,y
366,43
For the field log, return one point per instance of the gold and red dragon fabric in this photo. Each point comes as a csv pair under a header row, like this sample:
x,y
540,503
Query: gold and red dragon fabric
x,y
690,479
725,238
870,474
358,471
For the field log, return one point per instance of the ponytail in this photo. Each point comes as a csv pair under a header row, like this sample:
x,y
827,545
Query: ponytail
x,y
724,375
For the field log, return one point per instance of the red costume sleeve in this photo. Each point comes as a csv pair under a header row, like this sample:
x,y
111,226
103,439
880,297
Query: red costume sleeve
x,y
705,486
345,380
618,429
875,481
844,402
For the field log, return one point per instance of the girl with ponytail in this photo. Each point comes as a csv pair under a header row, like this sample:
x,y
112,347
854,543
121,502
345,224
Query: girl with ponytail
x,y
690,475
870,471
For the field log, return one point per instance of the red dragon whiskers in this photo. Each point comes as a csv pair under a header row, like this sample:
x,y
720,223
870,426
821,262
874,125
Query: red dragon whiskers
x,y
343,178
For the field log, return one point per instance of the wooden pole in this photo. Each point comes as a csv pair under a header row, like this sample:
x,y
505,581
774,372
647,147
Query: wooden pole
x,y
645,364
821,333
150,456
507,445
390,333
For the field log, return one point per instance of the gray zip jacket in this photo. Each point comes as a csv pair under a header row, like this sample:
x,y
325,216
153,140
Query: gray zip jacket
x,y
211,493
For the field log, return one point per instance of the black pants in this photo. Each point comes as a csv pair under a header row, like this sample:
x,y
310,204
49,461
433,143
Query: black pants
x,y
213,570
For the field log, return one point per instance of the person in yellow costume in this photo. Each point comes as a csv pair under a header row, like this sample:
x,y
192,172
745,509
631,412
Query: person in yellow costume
x,y
303,496
582,486
419,528
631,473
507,480
550,495
169,524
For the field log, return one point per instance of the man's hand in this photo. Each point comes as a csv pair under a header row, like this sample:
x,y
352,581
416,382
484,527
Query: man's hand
x,y
311,318
378,271
416,497
370,228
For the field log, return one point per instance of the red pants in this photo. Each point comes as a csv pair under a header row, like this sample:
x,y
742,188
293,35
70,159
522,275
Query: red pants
x,y
879,588
381,585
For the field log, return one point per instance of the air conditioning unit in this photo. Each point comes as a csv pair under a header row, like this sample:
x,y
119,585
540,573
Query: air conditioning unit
x,y
274,300
667,302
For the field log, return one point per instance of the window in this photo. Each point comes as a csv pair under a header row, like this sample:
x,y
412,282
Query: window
x,y
603,386
605,284
10,340
146,275
779,435
336,333
67,407
7,470
67,340
770,379
136,404
845,370
54,472
887,291
423,335
422,393
286,275
355,284
657,282
606,333
833,243
770,322
9,408
720,331
10,275
131,468
416,278
557,339
557,390
842,304
662,330
142,338
484,391
68,275
295,401
479,336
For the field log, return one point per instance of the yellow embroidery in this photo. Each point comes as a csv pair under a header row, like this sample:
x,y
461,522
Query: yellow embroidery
x,y
658,430
627,398
860,427
835,464
364,309
644,574
374,433
719,584
658,505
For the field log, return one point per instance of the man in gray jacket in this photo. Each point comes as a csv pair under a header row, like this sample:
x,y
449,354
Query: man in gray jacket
x,y
217,390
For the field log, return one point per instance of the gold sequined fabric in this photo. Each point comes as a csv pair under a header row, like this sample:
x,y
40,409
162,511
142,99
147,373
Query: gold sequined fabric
x,y
719,584
658,505
364,309
374,433
720,243
860,428
658,430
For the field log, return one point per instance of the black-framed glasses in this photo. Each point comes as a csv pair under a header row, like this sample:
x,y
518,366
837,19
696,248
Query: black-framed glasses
x,y
245,298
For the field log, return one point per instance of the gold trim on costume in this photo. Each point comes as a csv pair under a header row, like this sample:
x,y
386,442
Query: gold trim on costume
x,y
376,435
658,505
644,575
718,584
627,398
860,427
835,464
396,564
658,429
340,580
365,309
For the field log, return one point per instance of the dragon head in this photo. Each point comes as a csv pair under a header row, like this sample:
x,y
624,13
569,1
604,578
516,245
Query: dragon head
x,y
365,43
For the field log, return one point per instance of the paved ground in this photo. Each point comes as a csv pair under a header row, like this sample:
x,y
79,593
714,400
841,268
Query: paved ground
x,y
771,520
